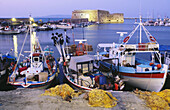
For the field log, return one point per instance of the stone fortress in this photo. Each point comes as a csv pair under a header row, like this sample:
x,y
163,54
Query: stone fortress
x,y
99,16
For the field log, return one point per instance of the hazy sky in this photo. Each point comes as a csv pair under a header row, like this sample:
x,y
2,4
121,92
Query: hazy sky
x,y
130,8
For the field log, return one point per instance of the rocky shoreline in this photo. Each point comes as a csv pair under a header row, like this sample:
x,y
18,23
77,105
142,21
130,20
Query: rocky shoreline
x,y
27,99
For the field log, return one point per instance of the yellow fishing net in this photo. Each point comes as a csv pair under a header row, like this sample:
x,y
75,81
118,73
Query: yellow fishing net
x,y
156,100
63,90
101,98
165,94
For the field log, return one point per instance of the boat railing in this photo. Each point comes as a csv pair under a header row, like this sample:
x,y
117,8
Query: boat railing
x,y
141,47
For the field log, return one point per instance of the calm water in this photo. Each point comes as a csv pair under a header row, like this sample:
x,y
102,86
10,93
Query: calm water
x,y
103,33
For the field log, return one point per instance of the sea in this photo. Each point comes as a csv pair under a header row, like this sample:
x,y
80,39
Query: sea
x,y
94,34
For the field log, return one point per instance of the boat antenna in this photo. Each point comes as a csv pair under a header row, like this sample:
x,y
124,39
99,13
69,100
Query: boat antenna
x,y
30,26
140,18
121,36
83,30
140,29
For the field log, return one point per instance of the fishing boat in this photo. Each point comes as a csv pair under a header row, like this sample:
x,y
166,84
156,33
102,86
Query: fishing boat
x,y
5,61
64,26
8,30
38,70
44,27
83,71
140,73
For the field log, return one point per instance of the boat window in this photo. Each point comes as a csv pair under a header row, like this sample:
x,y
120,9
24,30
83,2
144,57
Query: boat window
x,y
40,59
36,59
113,52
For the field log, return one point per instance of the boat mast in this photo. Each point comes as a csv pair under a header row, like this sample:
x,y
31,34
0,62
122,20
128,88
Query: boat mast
x,y
140,29
30,26
140,23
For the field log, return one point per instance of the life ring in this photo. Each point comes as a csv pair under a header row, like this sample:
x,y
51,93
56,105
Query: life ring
x,y
126,39
152,39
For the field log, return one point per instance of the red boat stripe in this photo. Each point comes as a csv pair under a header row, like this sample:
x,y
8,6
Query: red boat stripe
x,y
141,75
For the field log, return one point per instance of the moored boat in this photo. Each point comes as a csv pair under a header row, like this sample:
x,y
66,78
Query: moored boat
x,y
8,30
44,27
84,71
5,63
38,70
64,26
147,75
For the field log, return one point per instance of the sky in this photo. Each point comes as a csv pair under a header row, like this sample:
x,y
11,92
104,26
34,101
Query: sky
x,y
38,8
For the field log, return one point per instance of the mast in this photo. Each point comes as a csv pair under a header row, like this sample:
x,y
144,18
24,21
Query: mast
x,y
140,29
140,23
30,26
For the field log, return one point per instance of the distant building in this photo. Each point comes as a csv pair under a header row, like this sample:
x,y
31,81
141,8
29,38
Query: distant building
x,y
100,16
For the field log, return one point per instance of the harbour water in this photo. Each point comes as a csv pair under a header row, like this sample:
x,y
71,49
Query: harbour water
x,y
102,33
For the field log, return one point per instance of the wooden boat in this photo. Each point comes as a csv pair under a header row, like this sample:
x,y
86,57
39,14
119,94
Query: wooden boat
x,y
38,70
147,75
81,70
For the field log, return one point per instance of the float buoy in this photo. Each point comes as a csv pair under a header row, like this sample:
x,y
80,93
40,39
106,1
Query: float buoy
x,y
152,39
126,39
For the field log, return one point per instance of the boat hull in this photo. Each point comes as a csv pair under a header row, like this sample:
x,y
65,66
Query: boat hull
x,y
3,77
34,85
9,32
64,27
76,86
146,81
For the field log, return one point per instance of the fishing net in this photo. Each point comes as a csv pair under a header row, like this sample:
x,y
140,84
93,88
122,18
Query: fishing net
x,y
101,98
165,94
63,90
156,100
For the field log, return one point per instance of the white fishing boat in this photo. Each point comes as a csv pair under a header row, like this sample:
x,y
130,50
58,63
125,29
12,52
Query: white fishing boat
x,y
64,26
8,30
44,27
38,70
147,75
83,71
161,23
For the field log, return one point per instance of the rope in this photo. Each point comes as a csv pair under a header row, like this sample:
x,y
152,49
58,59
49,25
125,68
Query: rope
x,y
146,32
41,51
21,49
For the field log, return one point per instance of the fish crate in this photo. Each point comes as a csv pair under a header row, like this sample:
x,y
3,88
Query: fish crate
x,y
88,47
43,76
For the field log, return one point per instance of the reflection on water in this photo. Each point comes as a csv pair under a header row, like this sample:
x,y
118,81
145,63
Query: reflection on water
x,y
33,41
15,46
103,33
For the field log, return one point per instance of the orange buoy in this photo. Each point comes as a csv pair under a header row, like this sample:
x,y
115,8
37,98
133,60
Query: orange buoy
x,y
151,64
116,87
65,63
158,66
